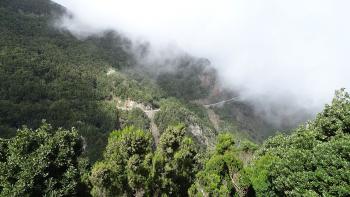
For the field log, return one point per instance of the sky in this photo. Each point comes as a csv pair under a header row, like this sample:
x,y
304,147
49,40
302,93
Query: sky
x,y
291,52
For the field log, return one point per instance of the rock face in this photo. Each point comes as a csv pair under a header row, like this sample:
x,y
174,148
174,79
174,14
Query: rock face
x,y
111,71
129,104
197,131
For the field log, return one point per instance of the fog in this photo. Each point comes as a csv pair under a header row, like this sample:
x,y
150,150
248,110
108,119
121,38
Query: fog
x,y
292,54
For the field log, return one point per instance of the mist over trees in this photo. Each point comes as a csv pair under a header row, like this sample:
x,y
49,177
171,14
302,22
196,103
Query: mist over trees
x,y
82,118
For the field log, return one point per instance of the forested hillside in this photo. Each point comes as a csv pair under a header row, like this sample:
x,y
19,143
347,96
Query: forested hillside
x,y
47,73
313,161
82,117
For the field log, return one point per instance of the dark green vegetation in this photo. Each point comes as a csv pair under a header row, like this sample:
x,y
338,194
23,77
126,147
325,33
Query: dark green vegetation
x,y
219,175
42,162
126,166
192,80
49,74
314,160
131,167
135,117
174,112
175,163
241,119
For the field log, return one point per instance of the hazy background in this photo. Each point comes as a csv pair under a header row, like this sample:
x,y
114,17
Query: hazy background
x,y
289,54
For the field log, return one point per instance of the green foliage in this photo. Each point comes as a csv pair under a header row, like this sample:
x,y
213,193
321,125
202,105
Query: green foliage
x,y
126,87
199,110
313,161
35,7
239,118
50,76
41,162
335,118
173,112
191,79
321,169
135,117
125,169
221,175
129,167
258,175
175,163
225,143
47,73
248,146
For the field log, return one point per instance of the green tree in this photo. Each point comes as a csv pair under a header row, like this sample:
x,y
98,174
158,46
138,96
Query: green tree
x,y
312,161
42,162
335,118
135,117
125,169
174,112
221,175
175,163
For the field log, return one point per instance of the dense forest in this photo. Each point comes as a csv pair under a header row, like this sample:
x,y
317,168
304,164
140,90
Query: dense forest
x,y
84,117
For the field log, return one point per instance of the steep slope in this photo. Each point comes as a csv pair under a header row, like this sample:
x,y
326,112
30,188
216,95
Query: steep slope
x,y
47,73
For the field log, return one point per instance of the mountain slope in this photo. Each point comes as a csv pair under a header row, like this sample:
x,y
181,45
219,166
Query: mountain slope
x,y
47,73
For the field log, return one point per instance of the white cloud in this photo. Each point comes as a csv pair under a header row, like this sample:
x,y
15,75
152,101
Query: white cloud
x,y
273,50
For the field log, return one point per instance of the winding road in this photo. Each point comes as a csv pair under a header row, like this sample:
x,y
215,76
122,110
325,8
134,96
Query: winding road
x,y
222,102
